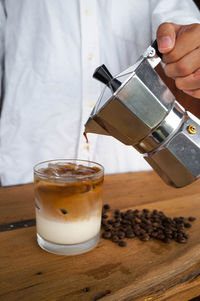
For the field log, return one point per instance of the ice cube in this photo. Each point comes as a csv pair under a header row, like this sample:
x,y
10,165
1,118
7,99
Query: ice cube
x,y
58,170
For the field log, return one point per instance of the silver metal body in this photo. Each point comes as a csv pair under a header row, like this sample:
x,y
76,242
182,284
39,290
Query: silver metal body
x,y
143,113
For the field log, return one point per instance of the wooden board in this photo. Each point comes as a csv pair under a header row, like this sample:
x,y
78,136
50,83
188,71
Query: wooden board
x,y
141,271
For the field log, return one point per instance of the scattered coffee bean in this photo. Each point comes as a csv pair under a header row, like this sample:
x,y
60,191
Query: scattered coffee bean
x,y
191,219
117,224
107,234
110,221
130,234
64,211
181,240
144,237
115,238
186,235
121,235
122,243
104,222
144,224
108,227
106,207
166,240
117,212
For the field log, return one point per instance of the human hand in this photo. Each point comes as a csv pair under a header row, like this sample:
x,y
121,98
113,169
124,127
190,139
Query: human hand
x,y
180,45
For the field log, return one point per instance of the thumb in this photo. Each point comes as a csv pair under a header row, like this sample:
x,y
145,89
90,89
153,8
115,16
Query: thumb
x,y
166,36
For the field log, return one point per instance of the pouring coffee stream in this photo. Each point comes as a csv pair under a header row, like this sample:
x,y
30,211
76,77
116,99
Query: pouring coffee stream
x,y
138,109
86,138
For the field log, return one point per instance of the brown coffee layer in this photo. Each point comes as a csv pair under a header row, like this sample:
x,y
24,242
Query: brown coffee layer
x,y
69,201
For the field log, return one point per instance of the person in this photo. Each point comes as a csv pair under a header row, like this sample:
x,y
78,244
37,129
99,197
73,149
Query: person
x,y
48,53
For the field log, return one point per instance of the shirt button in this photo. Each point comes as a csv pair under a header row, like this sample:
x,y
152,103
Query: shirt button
x,y
90,57
87,12
86,146
91,104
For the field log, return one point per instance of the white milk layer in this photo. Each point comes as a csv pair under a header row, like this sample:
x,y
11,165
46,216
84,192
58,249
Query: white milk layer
x,y
67,232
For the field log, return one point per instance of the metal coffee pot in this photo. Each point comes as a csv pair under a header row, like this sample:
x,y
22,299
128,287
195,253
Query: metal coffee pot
x,y
138,109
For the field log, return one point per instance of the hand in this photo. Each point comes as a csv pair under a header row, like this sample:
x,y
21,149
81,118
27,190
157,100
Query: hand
x,y
180,45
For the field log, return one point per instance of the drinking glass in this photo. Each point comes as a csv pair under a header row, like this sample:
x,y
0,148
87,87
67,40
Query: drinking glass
x,y
68,205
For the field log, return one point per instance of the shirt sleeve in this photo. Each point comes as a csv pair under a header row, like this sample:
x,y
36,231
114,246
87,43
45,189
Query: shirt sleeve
x,y
180,12
2,47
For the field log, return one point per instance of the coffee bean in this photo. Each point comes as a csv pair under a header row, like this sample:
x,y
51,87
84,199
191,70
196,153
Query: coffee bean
x,y
129,217
122,243
166,240
115,238
106,235
108,227
118,219
117,212
116,224
64,211
143,225
130,234
104,222
106,207
168,230
104,216
187,225
137,220
182,240
144,237
142,231
161,236
191,218
121,235
149,230
110,221
175,235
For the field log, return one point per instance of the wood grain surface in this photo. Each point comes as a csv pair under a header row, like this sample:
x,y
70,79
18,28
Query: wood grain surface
x,y
141,271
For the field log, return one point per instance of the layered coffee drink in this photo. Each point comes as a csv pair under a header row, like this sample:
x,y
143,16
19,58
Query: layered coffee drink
x,y
68,198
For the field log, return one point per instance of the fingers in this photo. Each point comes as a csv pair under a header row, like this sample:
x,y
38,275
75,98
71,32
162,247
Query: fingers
x,y
193,93
166,36
180,45
189,84
187,40
185,66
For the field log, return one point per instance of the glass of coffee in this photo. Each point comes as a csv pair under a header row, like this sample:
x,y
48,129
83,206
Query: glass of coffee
x,y
68,201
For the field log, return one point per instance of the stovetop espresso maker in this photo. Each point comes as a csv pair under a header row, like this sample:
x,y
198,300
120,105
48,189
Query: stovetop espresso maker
x,y
138,109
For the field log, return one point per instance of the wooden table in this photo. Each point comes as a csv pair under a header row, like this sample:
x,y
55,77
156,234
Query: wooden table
x,y
144,271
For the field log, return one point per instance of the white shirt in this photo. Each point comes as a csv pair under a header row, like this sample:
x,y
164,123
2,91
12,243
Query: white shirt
x,y
50,50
